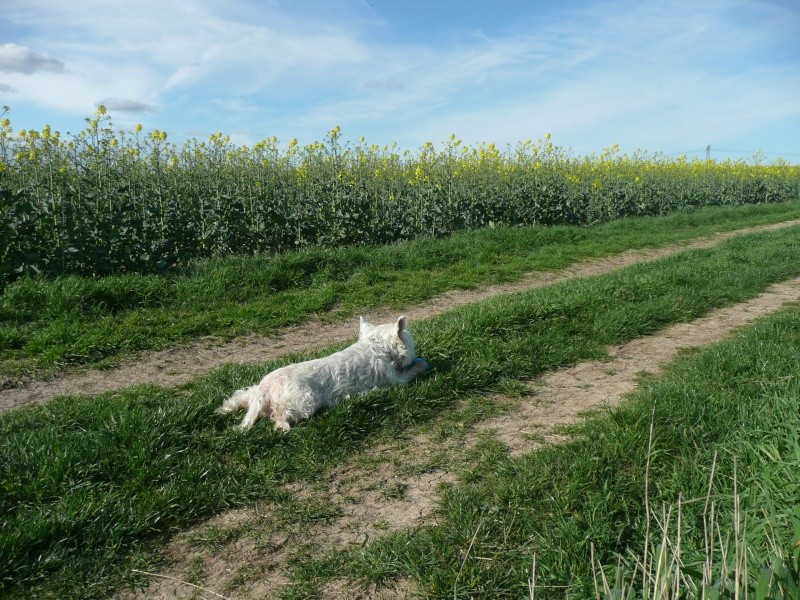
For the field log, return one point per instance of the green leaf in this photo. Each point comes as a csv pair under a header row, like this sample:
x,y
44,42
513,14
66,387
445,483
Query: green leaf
x,y
763,585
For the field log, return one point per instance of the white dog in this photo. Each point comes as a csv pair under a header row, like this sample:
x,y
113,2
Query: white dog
x,y
383,356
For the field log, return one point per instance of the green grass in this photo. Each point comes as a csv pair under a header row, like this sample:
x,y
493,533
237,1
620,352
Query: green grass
x,y
91,486
725,449
51,324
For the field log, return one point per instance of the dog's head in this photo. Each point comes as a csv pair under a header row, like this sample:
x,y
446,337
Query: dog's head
x,y
393,338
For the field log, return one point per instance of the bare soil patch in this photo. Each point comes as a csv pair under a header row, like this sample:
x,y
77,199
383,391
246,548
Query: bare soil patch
x,y
249,553
176,366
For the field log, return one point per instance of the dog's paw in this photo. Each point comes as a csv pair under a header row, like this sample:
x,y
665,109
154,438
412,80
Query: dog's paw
x,y
282,426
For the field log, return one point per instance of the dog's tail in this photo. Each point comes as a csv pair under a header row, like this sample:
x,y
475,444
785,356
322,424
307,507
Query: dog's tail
x,y
251,398
240,399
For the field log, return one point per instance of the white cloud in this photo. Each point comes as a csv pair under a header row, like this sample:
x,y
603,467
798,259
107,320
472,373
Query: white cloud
x,y
232,49
7,89
15,58
78,90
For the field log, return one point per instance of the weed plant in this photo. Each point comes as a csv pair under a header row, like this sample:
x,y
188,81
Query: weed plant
x,y
91,486
72,320
110,201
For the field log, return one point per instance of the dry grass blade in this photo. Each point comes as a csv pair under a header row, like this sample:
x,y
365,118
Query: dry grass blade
x,y
182,582
466,556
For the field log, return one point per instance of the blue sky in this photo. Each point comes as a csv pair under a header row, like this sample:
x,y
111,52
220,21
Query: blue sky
x,y
662,76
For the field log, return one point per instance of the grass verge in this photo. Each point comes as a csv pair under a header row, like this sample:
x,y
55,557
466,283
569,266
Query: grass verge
x,y
46,325
91,486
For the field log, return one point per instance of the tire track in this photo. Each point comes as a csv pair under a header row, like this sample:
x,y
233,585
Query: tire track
x,y
176,366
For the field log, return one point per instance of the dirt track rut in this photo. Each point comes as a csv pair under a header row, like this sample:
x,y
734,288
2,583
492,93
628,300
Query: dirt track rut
x,y
176,366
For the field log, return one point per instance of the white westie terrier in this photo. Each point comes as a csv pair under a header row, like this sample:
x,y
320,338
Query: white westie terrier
x,y
383,356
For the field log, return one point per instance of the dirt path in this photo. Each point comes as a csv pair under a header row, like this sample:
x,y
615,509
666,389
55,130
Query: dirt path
x,y
176,366
396,486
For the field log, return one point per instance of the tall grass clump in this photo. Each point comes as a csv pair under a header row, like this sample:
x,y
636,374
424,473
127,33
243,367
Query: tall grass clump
x,y
739,550
112,201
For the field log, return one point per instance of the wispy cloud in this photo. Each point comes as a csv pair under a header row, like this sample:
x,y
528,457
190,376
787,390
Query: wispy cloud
x,y
647,76
638,73
383,84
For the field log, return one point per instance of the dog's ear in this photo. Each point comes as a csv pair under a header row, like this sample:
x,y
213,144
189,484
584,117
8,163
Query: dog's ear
x,y
401,325
364,326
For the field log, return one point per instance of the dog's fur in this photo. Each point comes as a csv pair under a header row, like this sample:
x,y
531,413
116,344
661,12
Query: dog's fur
x,y
383,356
